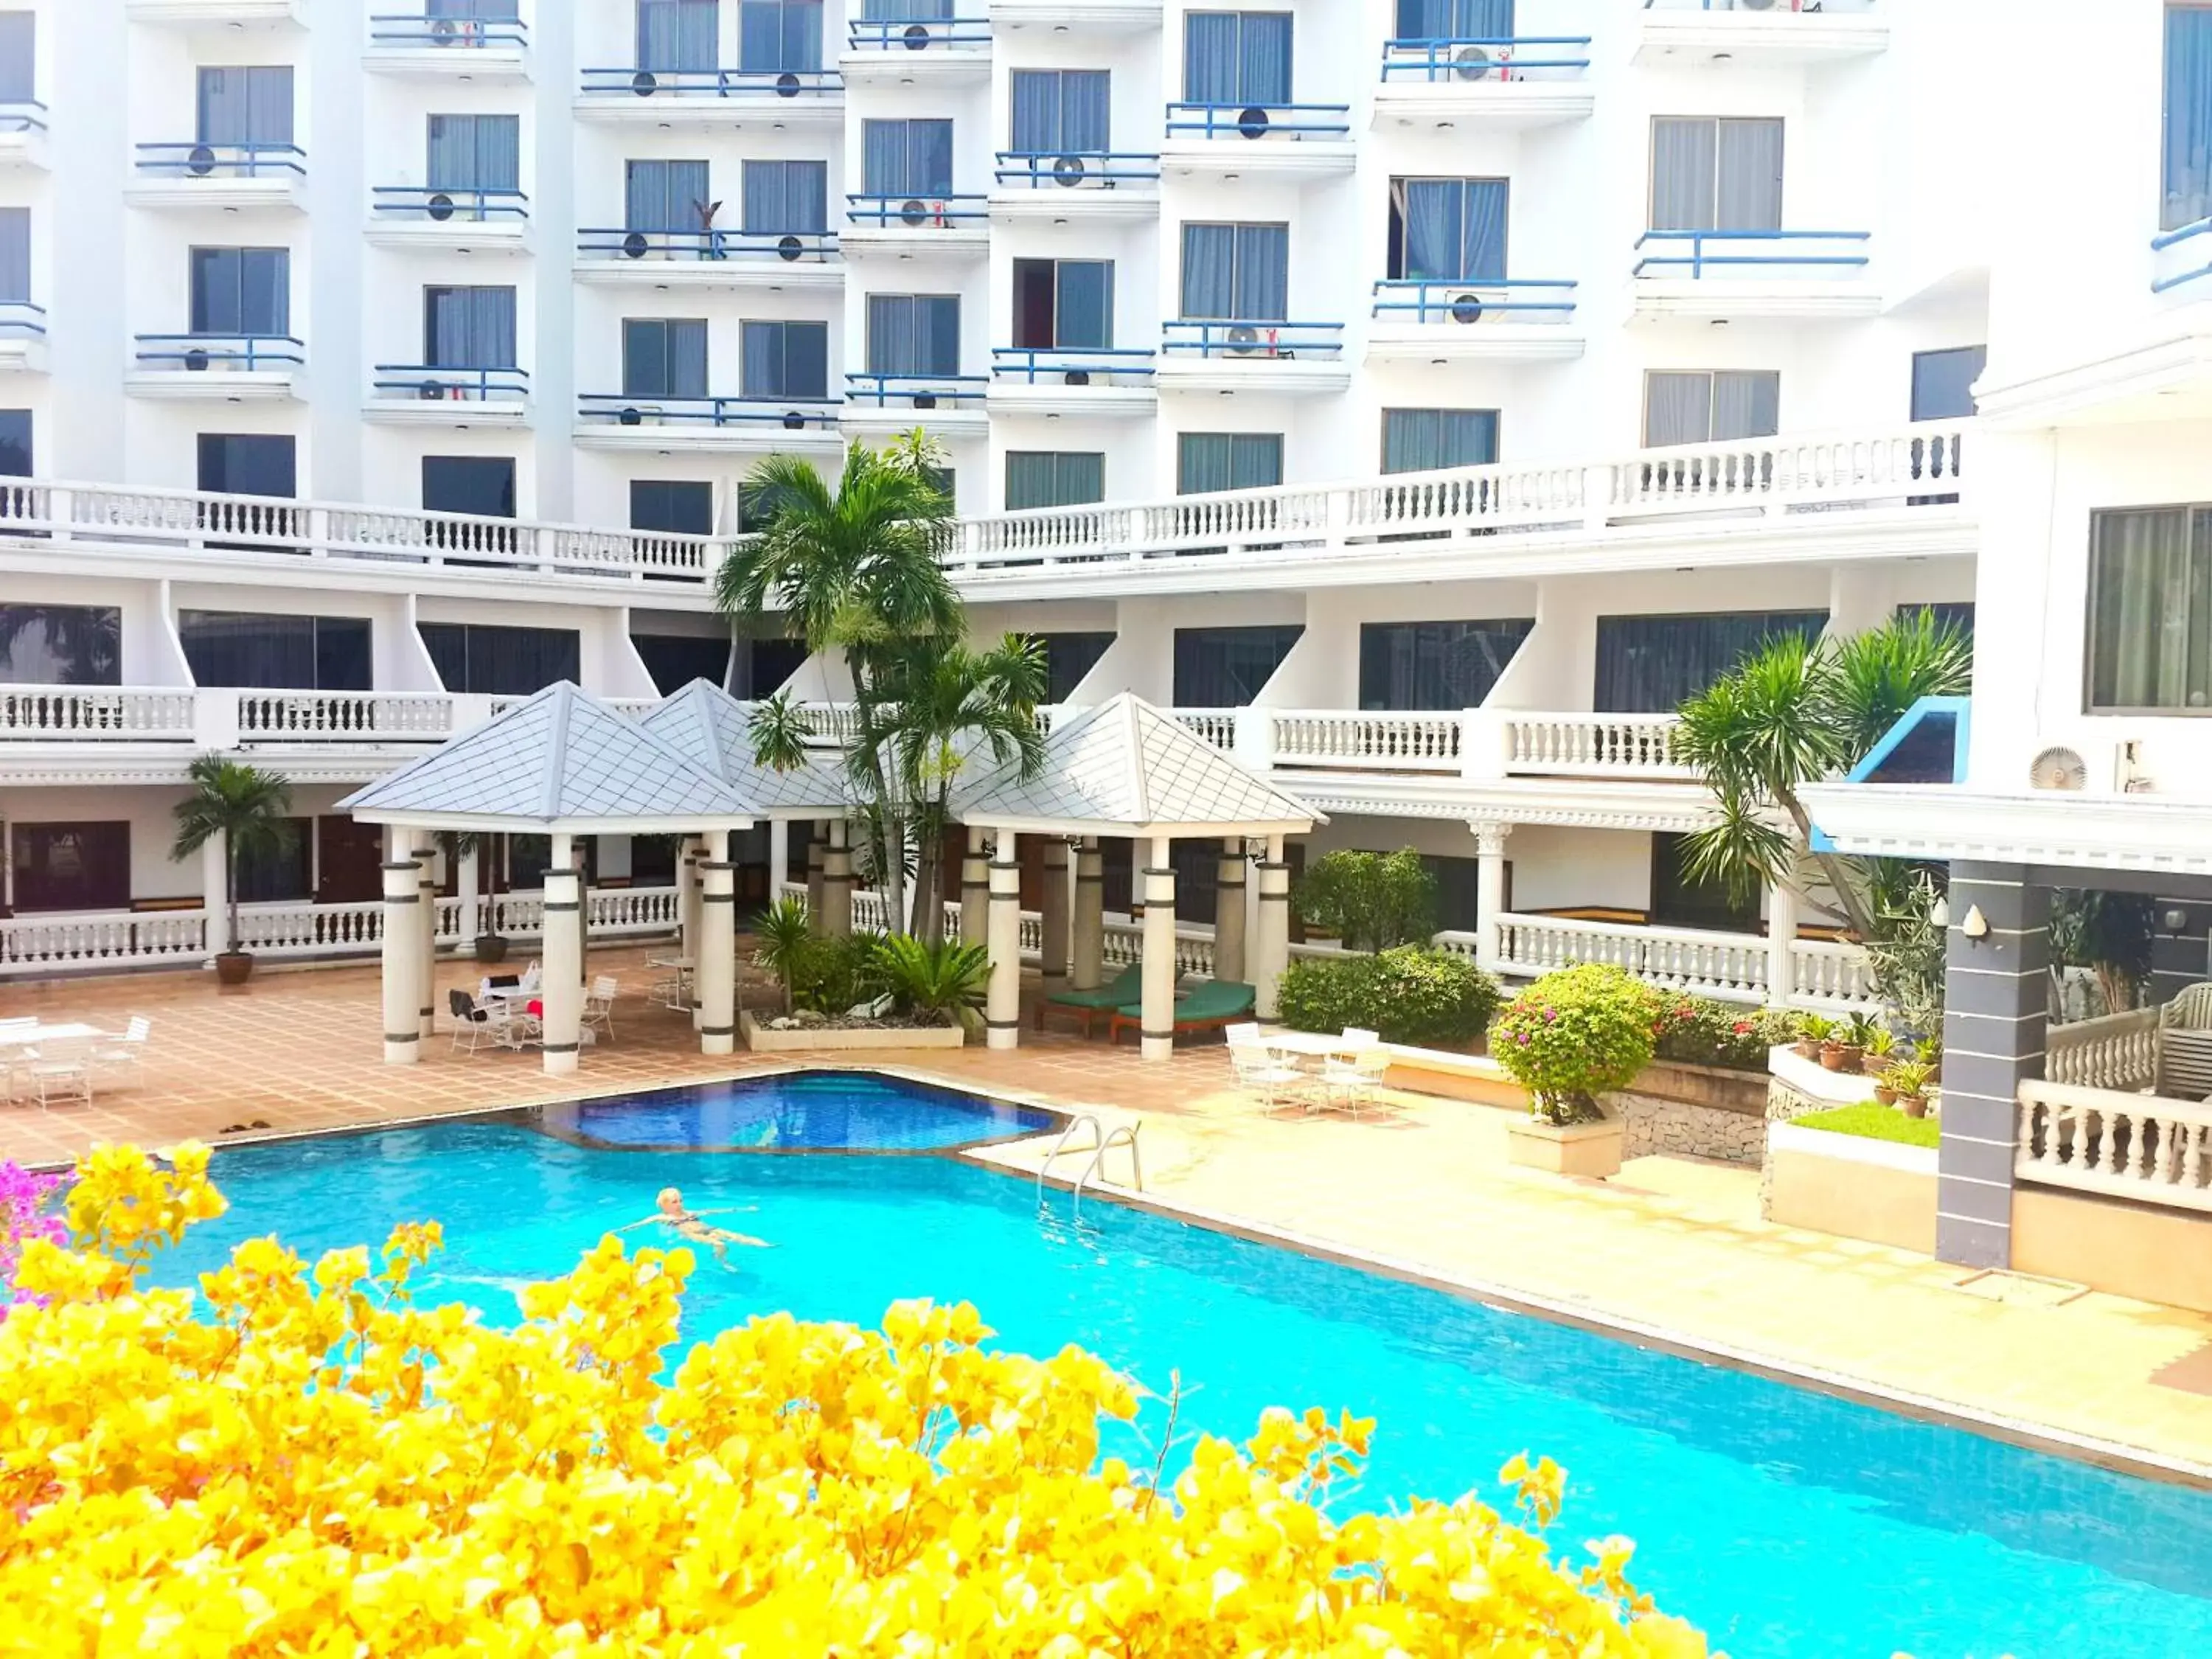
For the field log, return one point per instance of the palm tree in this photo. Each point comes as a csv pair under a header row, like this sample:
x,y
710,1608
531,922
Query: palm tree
x,y
245,805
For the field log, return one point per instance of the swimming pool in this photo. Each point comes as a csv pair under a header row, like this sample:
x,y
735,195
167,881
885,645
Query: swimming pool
x,y
796,1112
1785,1522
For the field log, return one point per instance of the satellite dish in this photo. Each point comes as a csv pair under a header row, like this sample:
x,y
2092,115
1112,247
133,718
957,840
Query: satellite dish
x,y
2059,769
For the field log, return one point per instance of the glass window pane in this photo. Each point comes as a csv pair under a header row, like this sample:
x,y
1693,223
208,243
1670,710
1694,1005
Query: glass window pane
x,y
678,506
19,76
508,662
481,484
249,464
1943,382
2187,196
1653,664
61,644
1748,194
1434,664
15,443
70,866
675,660
2150,609
1682,172
1228,667
1067,659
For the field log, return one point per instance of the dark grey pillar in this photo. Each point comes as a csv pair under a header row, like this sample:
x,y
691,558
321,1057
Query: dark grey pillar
x,y
1994,1007
2179,956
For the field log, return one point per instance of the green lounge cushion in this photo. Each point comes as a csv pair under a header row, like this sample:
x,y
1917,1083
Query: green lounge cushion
x,y
1218,998
1123,985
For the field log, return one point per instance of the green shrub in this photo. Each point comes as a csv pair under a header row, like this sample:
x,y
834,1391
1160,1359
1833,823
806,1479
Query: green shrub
x,y
1372,901
1410,994
828,975
947,979
1571,1037
1699,1032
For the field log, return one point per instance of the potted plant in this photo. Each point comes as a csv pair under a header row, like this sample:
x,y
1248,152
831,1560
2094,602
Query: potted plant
x,y
1859,1030
1567,1039
1907,1081
251,810
1812,1031
1881,1049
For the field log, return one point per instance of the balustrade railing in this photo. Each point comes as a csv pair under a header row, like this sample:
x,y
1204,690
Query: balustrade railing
x,y
1593,745
1780,474
2116,1145
50,944
357,716
1368,742
78,713
1824,975
1731,967
2117,1051
1217,726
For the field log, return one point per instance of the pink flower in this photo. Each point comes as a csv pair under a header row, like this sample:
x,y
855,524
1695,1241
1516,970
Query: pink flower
x,y
1525,1039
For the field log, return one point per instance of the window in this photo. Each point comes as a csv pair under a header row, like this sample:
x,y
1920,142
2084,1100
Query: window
x,y
475,152
664,357
504,662
1679,899
679,508
785,360
1459,883
2150,609
481,484
1700,408
2187,196
468,327
71,867
1060,112
15,443
248,464
1943,382
279,875
665,196
293,653
1227,667
906,12
779,36
1240,272
241,290
675,660
61,645
771,664
19,56
1236,58
250,106
480,11
678,35
1434,664
1210,461
1448,230
1063,302
907,158
1067,659
1454,20
913,334
1654,664
1716,175
783,199
1044,477
1423,439
15,253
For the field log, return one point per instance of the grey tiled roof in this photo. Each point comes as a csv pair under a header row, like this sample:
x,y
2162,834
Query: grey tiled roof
x,y
713,729
561,756
1125,764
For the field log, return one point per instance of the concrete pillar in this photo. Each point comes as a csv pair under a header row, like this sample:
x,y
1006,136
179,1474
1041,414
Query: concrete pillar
x,y
468,886
1086,972
836,911
1156,1037
562,988
817,852
715,974
692,892
1055,951
1995,1002
215,884
1002,1011
426,928
779,858
1272,951
1781,934
975,890
1489,892
1229,911
403,957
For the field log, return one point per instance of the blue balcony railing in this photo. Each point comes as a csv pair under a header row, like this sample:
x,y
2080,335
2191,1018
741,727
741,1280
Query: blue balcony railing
x,y
917,212
917,34
1258,120
1073,365
694,84
1486,57
1256,338
22,115
235,353
1076,169
2180,237
223,160
788,245
789,414
431,383
881,390
461,33
451,205
22,317
1472,300
1756,249
1755,8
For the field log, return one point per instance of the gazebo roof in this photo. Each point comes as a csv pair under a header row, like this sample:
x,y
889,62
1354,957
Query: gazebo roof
x,y
711,728
561,762
1125,767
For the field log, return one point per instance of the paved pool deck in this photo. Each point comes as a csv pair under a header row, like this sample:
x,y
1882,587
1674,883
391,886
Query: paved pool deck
x,y
1672,1249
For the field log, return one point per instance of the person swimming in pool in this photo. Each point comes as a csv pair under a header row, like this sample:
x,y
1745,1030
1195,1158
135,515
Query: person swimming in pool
x,y
691,1225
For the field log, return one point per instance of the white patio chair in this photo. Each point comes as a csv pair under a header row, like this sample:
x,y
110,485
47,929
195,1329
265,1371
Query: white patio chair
x,y
63,1072
15,1060
1358,1080
599,1006
119,1052
1258,1069
473,1023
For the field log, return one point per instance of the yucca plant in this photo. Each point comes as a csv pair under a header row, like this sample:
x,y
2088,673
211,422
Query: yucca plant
x,y
782,932
941,976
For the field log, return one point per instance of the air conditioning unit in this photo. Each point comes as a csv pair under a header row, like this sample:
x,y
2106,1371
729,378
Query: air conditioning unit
x,y
914,215
1076,377
1252,122
916,37
925,400
1068,172
645,83
1475,63
2060,768
196,362
787,85
431,392
440,207
1467,308
789,248
200,162
444,31
635,246
794,420
1244,341
1755,5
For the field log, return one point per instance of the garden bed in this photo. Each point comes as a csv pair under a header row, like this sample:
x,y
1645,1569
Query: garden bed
x,y
1874,1121
845,1033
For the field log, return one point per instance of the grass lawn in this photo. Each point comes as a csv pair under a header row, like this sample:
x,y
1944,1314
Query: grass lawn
x,y
1876,1122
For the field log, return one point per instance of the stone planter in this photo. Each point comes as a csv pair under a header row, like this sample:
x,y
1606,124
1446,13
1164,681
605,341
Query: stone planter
x,y
1591,1150
491,947
762,1040
233,967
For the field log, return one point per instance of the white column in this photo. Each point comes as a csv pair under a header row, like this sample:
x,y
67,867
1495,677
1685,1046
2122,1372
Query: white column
x,y
692,883
1781,934
1002,1010
779,858
215,863
1229,911
1055,952
817,862
402,960
716,970
468,884
426,928
836,912
1272,951
1156,1037
975,890
1489,892
562,988
1087,972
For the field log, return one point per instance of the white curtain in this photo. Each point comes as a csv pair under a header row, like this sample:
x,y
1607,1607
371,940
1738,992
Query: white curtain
x,y
2150,609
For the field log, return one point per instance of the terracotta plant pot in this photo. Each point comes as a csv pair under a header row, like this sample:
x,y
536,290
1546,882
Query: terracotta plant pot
x,y
1854,1058
1832,1056
1915,1105
232,968
1884,1094
1806,1050
491,947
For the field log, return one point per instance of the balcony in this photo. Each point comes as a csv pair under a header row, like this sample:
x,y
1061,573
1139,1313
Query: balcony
x,y
428,394
1680,33
1226,354
418,45
932,51
1283,140
234,177
1041,17
686,259
1071,186
459,221
1722,275
22,338
1510,320
882,405
218,13
23,136
1501,84
955,225
721,97
750,426
221,367
2179,258
1074,381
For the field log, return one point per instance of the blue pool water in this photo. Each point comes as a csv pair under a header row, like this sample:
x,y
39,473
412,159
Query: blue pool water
x,y
1788,1524
801,1111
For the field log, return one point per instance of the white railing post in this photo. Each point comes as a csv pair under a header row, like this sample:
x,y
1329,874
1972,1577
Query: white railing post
x,y
1781,942
1485,739
215,721
1254,744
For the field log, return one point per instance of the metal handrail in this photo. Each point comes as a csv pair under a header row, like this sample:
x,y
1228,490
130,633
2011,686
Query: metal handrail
x,y
1089,166
712,82
401,28
936,212
2174,238
1699,259
788,245
917,33
1027,362
200,351
791,414
1466,299
1059,1147
883,387
1208,337
1210,123
438,382
205,160
22,316
16,117
1124,1135
442,202
1438,59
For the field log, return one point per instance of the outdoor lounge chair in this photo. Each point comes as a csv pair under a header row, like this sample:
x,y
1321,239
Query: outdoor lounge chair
x,y
1216,1002
2185,1045
1088,1004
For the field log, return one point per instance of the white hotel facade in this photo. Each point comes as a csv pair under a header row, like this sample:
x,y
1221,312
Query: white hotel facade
x,y
1422,395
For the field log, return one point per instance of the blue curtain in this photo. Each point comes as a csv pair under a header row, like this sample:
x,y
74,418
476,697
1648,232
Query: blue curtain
x,y
1264,75
2188,184
1060,112
15,253
481,11
1210,67
475,152
1038,478
913,334
1083,315
1263,272
907,158
784,198
241,290
1209,270
664,357
664,196
784,360
1455,229
1423,439
679,34
471,327
1210,461
780,35
1454,20
907,11
19,71
249,105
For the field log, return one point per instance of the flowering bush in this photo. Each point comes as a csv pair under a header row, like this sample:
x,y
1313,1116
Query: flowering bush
x,y
1699,1032
1572,1036
316,1464
23,1197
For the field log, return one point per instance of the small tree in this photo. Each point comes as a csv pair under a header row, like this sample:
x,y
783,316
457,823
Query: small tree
x,y
1574,1036
1372,901
245,805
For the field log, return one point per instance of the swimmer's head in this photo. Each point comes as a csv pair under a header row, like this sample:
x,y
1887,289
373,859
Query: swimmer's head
x,y
671,1201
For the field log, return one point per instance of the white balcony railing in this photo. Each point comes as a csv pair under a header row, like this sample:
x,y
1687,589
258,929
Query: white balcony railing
x,y
1363,742
1731,967
2119,1051
2115,1143
77,713
1592,745
1830,977
350,716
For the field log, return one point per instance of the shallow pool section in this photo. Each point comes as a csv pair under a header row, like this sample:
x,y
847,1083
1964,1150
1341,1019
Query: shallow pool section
x,y
1790,1525
797,1112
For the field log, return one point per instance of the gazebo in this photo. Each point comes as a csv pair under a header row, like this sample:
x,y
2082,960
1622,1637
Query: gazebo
x,y
560,764
1127,768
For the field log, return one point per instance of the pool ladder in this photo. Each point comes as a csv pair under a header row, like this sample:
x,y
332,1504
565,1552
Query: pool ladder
x,y
1103,1141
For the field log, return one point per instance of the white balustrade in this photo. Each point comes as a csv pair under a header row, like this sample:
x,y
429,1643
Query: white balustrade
x,y
355,716
872,911
1779,474
2114,1144
632,910
1123,944
307,930
1217,726
79,714
1592,745
1482,498
1368,742
831,722
61,943
2119,1051
1832,977
1731,967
